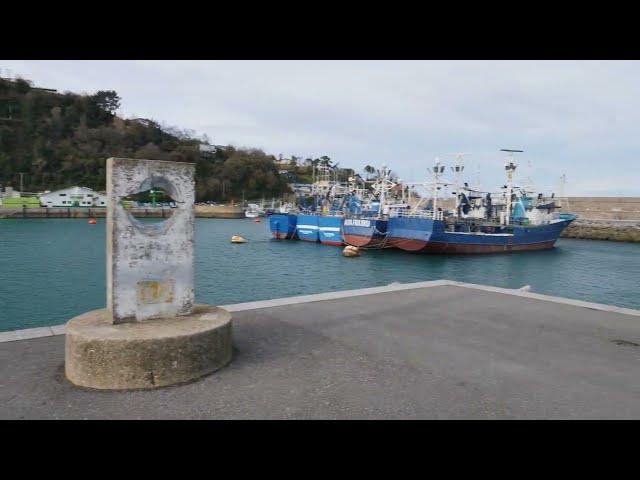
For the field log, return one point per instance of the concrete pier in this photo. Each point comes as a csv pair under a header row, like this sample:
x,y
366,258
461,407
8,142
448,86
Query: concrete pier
x,y
430,350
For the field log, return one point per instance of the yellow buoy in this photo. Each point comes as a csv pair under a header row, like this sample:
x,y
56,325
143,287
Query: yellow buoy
x,y
351,251
238,239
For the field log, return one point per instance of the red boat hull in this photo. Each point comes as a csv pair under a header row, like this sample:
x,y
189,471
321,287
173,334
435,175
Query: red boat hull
x,y
333,244
360,241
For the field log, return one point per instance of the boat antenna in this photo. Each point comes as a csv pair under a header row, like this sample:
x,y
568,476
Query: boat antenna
x,y
564,201
382,186
438,170
458,167
510,167
457,170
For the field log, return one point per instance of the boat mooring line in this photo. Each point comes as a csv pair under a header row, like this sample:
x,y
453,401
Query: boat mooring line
x,y
29,333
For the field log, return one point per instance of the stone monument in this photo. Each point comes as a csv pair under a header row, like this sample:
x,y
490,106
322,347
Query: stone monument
x,y
151,334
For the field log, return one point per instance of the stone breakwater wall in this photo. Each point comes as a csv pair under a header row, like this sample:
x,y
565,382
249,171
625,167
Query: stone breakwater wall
x,y
603,218
620,230
603,208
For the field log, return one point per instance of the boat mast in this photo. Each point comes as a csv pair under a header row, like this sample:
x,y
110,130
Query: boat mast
x,y
383,196
438,170
382,185
457,170
510,168
563,181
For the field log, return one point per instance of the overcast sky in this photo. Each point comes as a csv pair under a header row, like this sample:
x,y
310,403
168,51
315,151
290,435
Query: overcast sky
x,y
579,118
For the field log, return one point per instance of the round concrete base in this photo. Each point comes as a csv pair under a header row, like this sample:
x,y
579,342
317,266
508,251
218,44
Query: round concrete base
x,y
149,354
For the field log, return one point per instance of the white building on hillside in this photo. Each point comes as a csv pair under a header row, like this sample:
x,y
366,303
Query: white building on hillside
x,y
73,197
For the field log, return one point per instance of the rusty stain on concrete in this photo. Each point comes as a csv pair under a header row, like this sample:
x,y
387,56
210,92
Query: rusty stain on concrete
x,y
155,292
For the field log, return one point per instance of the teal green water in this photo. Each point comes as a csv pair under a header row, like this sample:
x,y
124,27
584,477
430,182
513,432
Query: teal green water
x,y
54,269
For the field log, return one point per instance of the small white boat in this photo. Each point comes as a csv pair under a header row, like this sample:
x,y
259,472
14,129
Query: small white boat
x,y
253,210
285,208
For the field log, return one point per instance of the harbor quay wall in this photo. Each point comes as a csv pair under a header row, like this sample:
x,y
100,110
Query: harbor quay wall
x,y
89,212
78,212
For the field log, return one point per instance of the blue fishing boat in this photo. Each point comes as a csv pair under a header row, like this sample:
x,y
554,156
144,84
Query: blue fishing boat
x,y
330,230
481,222
365,232
283,226
307,228
319,218
440,236
515,221
366,226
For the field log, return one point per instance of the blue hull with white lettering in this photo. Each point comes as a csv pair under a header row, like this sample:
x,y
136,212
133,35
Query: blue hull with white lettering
x,y
330,230
307,228
365,232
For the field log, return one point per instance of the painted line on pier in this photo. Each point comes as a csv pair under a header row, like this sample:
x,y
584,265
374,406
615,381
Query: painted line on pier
x,y
318,297
549,298
29,333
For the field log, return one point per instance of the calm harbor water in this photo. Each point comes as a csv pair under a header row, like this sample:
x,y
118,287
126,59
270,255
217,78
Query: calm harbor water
x,y
54,269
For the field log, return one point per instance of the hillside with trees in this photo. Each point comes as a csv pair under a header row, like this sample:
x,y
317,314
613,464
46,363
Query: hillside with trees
x,y
62,139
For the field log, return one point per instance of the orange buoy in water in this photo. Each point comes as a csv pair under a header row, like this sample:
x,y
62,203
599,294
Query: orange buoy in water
x,y
92,221
257,220
351,251
238,239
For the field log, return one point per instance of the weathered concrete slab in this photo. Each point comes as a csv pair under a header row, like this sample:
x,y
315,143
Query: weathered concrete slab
x,y
434,352
149,266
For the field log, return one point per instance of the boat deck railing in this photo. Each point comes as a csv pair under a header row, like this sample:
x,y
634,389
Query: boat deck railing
x,y
426,214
